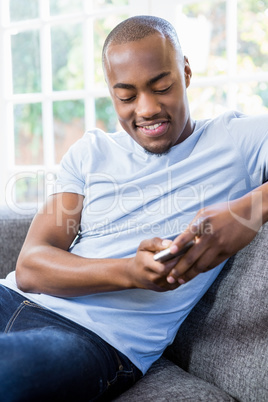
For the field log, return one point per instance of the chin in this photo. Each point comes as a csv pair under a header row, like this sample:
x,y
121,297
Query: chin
x,y
158,151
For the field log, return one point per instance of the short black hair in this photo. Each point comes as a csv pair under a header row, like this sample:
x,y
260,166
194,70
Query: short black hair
x,y
138,27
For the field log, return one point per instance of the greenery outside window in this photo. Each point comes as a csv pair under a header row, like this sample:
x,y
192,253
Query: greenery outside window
x,y
52,87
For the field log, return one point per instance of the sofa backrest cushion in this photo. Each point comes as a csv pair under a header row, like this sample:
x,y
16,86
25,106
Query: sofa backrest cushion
x,y
224,340
13,229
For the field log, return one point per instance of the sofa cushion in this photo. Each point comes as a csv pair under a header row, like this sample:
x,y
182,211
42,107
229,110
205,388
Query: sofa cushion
x,y
167,382
13,229
224,340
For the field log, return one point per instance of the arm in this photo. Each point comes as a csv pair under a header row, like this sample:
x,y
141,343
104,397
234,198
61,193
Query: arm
x,y
45,266
219,232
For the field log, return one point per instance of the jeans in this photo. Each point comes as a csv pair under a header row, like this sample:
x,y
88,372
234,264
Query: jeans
x,y
46,357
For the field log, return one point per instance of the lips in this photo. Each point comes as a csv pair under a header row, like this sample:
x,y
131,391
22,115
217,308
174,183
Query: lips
x,y
154,130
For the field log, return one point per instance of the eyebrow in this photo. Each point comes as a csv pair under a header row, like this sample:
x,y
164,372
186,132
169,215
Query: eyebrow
x,y
121,85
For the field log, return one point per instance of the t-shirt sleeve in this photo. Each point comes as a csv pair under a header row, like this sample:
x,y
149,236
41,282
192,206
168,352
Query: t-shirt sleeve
x,y
70,177
250,133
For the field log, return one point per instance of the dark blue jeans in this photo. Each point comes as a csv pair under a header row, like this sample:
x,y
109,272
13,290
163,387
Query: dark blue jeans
x,y
46,357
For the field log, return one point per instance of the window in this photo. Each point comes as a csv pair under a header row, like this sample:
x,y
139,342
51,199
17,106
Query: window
x,y
52,87
227,45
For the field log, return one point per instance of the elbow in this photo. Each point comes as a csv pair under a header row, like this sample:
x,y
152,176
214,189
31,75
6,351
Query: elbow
x,y
24,275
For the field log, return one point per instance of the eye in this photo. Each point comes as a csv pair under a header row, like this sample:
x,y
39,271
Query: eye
x,y
126,100
163,90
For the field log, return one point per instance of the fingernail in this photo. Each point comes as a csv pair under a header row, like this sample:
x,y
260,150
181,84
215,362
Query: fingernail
x,y
170,279
166,243
181,281
174,248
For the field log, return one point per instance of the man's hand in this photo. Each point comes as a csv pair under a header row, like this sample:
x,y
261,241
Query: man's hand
x,y
45,265
219,232
145,273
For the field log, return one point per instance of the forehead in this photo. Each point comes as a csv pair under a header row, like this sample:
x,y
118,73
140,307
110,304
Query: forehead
x,y
137,60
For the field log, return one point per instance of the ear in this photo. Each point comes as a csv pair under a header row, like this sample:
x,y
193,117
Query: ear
x,y
187,71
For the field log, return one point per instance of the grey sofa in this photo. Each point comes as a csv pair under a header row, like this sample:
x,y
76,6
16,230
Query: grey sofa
x,y
221,351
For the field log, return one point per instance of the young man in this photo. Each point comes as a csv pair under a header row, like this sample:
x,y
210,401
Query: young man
x,y
89,309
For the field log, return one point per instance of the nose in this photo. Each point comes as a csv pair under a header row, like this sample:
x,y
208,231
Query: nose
x,y
147,105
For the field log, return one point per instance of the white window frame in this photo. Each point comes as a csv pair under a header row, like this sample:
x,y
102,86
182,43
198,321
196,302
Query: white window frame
x,y
232,78
90,92
7,99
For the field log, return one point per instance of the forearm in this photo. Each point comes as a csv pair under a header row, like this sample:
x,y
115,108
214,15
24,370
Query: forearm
x,y
261,194
50,270
220,231
251,210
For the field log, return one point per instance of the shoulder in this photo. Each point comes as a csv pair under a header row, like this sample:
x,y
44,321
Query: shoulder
x,y
237,125
95,141
85,156
234,121
96,136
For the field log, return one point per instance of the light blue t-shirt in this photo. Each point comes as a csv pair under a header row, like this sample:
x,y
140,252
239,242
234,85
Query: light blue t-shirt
x,y
131,195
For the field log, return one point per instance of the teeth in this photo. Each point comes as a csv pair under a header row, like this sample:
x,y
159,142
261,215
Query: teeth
x,y
153,127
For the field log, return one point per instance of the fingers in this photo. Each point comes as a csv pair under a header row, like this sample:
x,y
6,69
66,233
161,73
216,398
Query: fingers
x,y
162,269
186,262
218,235
199,257
191,265
152,274
202,265
155,244
195,261
150,247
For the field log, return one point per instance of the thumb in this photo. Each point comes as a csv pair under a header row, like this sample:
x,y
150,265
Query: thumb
x,y
155,244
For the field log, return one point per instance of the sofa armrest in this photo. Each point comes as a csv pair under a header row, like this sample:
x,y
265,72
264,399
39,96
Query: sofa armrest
x,y
13,229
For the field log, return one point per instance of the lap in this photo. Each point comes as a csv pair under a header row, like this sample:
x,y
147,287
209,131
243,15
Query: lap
x,y
45,356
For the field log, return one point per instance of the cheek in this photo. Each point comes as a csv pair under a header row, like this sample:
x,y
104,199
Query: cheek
x,y
176,104
124,112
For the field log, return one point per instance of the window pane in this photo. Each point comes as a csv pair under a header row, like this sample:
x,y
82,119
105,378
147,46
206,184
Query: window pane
x,y
69,125
65,6
202,33
28,187
67,57
106,118
102,27
19,10
207,102
26,62
253,97
108,3
252,36
28,134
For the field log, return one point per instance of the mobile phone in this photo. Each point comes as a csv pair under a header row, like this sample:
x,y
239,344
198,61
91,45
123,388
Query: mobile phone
x,y
166,255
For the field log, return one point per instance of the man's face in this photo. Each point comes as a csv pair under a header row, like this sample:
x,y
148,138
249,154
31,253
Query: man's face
x,y
147,80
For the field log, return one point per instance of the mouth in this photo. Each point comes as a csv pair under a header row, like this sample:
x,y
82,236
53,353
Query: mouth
x,y
153,130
